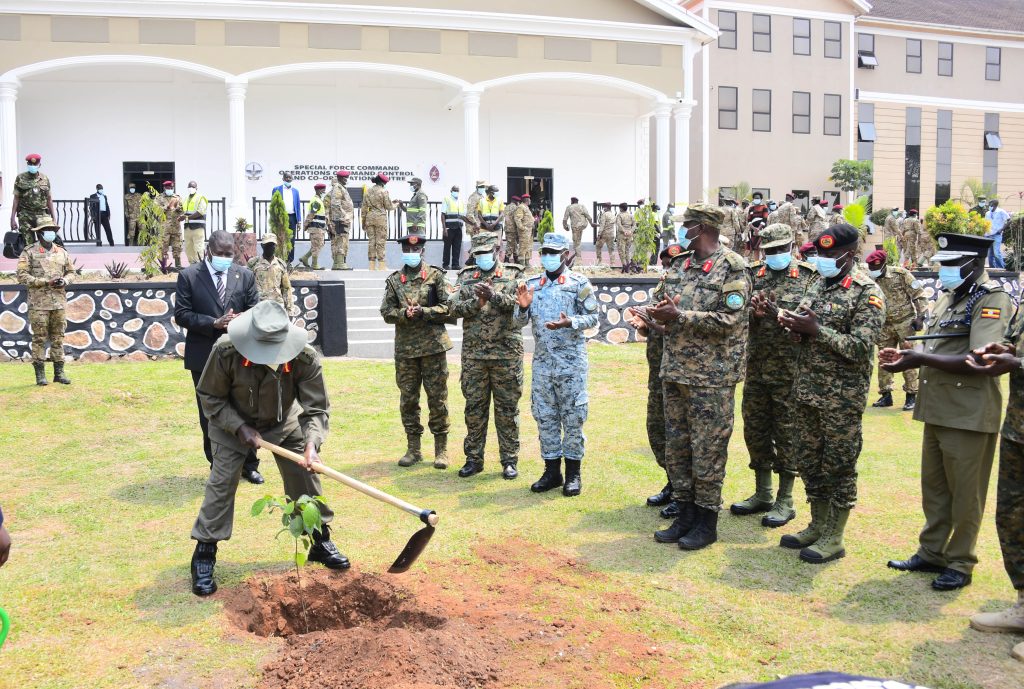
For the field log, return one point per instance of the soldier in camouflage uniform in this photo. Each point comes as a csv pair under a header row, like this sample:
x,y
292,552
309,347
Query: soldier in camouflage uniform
x,y
416,303
560,305
315,223
575,220
905,308
625,226
817,221
605,232
998,358
473,220
960,410
839,321
654,333
492,354
171,232
132,213
46,269
918,242
893,229
340,214
511,229
376,206
731,229
33,198
525,224
705,310
778,282
271,274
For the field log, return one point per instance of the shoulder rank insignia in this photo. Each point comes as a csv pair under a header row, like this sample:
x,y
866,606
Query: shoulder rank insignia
x,y
708,265
876,301
686,264
561,279
847,281
762,272
402,278
794,272
989,312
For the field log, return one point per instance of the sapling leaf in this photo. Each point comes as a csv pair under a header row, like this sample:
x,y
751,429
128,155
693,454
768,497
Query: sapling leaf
x,y
310,517
295,527
289,508
300,558
259,506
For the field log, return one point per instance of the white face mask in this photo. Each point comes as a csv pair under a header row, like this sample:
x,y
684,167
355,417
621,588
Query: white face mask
x,y
192,190
131,190
169,192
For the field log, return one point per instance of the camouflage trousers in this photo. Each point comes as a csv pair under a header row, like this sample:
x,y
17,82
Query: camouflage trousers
x,y
483,380
577,238
339,243
525,248
656,415
431,373
26,221
559,406
1010,509
605,240
511,243
768,426
625,248
698,425
132,228
47,325
316,240
171,239
827,444
892,336
376,228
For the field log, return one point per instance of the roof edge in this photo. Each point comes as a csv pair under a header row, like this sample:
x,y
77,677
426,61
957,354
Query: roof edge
x,y
670,10
889,21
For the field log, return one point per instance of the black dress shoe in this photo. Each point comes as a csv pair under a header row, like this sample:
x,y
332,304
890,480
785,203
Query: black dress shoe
x,y
915,564
325,552
253,477
203,560
951,580
670,511
509,472
470,468
661,499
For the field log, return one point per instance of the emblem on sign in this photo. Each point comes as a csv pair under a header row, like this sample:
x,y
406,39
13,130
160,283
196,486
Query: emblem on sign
x,y
253,171
435,174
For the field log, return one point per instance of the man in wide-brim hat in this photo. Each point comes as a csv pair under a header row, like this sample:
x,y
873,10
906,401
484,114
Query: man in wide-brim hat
x,y
262,381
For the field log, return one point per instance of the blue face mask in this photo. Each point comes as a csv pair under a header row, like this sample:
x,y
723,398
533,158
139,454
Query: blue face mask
x,y
455,194
950,277
411,259
828,267
288,184
875,274
684,241
100,192
551,262
813,260
33,169
485,261
221,263
778,261
49,235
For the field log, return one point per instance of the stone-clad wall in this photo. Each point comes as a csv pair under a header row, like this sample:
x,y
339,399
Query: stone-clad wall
x,y
130,320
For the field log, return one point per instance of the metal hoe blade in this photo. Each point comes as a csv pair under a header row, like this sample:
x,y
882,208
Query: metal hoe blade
x,y
416,545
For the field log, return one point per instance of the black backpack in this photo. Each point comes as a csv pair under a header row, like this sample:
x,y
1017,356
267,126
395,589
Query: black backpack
x,y
14,244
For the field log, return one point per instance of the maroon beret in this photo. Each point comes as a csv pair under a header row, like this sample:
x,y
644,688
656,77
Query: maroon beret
x,y
33,158
876,256
342,173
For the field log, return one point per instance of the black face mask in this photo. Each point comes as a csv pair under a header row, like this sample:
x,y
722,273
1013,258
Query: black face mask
x,y
268,251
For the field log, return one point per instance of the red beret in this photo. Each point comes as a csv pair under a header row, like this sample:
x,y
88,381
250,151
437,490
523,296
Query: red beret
x,y
837,207
517,198
876,256
383,178
807,246
168,184
912,211
33,156
341,173
526,196
319,185
823,202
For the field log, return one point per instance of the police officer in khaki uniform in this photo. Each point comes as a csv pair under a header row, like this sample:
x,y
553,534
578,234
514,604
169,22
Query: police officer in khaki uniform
x,y
959,407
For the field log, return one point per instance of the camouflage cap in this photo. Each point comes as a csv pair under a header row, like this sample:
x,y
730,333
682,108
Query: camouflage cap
x,y
555,242
268,239
705,214
484,243
45,222
776,234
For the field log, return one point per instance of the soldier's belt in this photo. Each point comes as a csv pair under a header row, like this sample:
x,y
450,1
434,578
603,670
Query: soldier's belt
x,y
195,224
937,336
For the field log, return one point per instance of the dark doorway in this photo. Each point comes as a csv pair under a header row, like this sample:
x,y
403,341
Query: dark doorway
x,y
533,180
143,175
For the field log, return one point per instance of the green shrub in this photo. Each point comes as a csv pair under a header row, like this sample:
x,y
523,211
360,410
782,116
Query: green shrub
x,y
953,217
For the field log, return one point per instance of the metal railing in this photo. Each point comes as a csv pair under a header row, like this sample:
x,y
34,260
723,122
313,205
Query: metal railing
x,y
77,225
596,210
396,221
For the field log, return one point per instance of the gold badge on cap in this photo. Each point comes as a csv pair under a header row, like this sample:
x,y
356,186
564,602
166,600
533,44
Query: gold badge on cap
x,y
414,239
674,250
826,241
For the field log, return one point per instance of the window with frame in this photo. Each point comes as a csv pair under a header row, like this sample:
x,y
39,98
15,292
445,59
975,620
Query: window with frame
x,y
801,36
834,40
762,33
943,155
728,100
765,192
762,102
865,131
801,112
833,114
912,159
913,56
945,59
990,154
993,63
727,26
866,51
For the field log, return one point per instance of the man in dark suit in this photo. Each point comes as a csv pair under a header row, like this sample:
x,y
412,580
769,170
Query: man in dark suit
x,y
210,295
99,209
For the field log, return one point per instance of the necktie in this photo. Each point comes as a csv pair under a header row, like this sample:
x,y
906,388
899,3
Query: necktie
x,y
220,286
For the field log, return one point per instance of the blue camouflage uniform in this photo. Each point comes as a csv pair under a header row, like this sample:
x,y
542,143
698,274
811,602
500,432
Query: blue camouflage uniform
x,y
559,386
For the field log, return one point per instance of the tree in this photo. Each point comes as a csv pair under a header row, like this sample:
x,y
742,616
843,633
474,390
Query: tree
x,y
151,233
953,217
646,235
973,189
851,175
739,191
278,220
546,224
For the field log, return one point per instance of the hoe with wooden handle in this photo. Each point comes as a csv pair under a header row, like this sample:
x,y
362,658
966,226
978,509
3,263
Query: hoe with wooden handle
x,y
419,540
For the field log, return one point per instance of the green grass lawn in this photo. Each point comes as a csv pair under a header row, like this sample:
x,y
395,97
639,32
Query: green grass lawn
x,y
101,482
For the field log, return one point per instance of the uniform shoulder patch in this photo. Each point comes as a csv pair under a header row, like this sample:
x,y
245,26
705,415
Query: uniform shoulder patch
x,y
876,301
736,262
586,289
735,301
993,286
308,355
990,312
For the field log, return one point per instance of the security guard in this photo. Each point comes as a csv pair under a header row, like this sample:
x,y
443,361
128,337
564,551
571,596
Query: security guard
x,y
959,407
490,211
195,205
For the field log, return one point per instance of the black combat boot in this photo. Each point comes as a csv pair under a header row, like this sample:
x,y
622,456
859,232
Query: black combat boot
x,y
669,511
58,374
203,560
470,468
325,552
661,499
551,478
704,531
509,471
40,368
911,401
681,526
884,401
573,481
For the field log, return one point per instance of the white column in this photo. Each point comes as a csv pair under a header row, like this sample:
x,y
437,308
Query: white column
x,y
236,135
8,141
661,155
471,129
681,124
642,185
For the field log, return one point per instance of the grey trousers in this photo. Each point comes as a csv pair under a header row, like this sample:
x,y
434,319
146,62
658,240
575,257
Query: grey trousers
x,y
216,516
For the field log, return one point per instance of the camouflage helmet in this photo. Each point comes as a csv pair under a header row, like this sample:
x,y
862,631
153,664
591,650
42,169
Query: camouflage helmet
x,y
776,234
484,243
705,214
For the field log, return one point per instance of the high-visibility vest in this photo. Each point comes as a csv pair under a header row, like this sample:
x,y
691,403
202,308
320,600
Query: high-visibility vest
x,y
453,207
319,210
196,203
491,210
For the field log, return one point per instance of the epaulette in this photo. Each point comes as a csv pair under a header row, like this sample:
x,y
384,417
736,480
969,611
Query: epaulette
x,y
755,264
465,268
535,278
514,266
862,278
252,261
308,355
808,266
224,344
736,262
993,286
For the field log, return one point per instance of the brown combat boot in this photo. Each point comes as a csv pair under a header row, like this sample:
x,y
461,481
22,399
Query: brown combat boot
x,y
441,451
412,453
